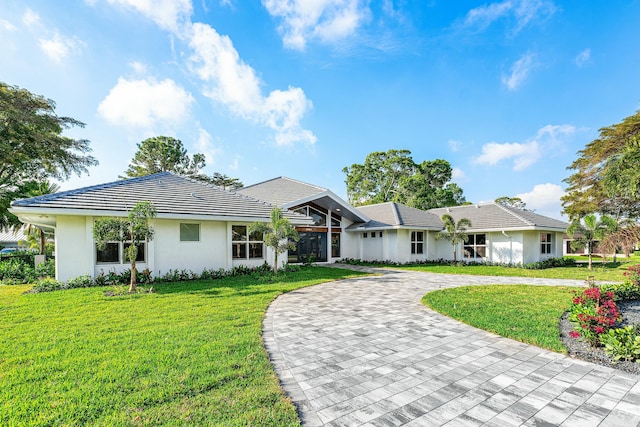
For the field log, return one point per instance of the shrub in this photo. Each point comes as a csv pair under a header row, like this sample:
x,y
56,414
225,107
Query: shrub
x,y
592,314
16,271
47,284
622,343
626,291
633,274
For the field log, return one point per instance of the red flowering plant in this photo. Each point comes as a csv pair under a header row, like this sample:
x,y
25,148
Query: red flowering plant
x,y
592,314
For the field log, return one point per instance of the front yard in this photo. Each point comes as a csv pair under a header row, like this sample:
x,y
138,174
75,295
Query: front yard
x,y
189,354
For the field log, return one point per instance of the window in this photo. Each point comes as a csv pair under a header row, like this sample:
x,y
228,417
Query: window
x,y
373,234
380,234
417,242
319,218
335,245
545,243
245,245
335,220
475,246
111,253
189,232
364,235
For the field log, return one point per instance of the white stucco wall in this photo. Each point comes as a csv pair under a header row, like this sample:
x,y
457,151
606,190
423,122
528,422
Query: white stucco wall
x,y
74,243
505,249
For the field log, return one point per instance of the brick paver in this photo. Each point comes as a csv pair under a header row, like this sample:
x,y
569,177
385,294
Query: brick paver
x,y
366,352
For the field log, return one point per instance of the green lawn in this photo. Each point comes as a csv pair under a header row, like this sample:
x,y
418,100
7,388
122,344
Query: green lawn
x,y
525,313
189,354
612,272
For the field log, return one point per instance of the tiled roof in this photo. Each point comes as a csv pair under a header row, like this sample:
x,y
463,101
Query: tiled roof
x,y
393,214
494,216
171,194
281,190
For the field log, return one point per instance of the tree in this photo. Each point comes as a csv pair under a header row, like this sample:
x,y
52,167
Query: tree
x,y
586,232
454,232
625,237
133,230
164,154
393,176
511,202
226,182
606,177
32,147
35,234
278,234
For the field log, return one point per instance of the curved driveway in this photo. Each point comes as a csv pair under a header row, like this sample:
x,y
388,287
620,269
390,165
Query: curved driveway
x,y
365,351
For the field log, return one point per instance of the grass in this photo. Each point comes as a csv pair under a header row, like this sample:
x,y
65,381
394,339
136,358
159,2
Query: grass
x,y
525,313
611,272
189,354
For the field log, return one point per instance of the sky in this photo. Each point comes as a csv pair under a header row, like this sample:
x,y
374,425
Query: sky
x,y
507,91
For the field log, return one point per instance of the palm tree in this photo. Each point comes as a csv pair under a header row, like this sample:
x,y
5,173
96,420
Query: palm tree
x,y
278,234
585,235
454,232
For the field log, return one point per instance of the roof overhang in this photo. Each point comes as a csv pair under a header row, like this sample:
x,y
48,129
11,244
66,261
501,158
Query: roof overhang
x,y
332,202
47,217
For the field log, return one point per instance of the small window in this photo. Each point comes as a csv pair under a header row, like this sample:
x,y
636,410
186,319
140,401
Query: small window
x,y
417,242
189,232
545,243
373,234
364,235
381,234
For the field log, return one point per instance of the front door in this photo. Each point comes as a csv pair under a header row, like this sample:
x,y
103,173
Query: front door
x,y
312,247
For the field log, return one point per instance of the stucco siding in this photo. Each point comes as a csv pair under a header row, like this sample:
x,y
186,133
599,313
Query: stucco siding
x,y
74,254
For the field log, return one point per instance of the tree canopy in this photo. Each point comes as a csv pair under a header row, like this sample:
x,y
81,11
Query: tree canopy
x,y
279,234
454,232
606,176
167,154
591,229
393,176
33,147
511,202
164,154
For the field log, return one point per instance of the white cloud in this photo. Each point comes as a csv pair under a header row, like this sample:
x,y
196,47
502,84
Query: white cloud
x,y
234,83
205,146
519,14
544,199
454,145
583,57
325,20
138,67
31,19
523,155
235,164
6,25
144,103
481,17
519,72
58,48
171,15
457,174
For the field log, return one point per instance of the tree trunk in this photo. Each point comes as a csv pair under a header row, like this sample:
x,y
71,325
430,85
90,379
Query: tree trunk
x,y
132,284
275,265
42,241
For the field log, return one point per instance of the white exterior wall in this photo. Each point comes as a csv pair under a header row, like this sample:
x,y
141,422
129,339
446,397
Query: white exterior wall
x,y
532,247
74,247
505,249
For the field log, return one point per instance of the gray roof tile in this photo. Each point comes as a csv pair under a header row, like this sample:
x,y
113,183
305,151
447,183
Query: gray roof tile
x,y
171,194
393,214
281,191
487,216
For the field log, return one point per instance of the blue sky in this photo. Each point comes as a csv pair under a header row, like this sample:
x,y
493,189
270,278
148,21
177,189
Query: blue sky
x,y
506,91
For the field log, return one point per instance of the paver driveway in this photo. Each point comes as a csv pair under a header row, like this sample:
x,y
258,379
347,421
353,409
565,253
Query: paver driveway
x,y
365,351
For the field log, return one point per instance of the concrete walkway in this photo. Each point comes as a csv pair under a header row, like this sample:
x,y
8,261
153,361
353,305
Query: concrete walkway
x,y
365,351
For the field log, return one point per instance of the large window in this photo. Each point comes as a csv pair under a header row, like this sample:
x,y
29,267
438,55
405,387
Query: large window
x,y
319,218
245,245
546,243
475,246
417,242
115,253
189,232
